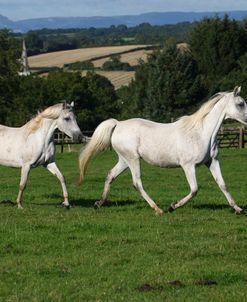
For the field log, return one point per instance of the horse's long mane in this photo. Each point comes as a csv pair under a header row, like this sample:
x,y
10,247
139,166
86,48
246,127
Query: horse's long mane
x,y
196,119
52,112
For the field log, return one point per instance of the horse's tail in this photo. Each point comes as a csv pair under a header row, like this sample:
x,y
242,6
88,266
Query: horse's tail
x,y
100,141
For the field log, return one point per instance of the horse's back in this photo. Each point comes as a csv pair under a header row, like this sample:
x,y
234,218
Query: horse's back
x,y
128,132
149,140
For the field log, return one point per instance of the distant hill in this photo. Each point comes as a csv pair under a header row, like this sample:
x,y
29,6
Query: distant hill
x,y
6,23
154,18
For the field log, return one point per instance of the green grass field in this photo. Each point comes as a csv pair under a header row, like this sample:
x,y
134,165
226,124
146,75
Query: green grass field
x,y
123,252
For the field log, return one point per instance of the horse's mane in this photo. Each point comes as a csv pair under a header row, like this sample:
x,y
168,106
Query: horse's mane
x,y
52,112
196,119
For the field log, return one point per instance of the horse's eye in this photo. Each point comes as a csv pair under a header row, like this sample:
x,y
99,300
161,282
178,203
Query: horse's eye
x,y
241,104
67,119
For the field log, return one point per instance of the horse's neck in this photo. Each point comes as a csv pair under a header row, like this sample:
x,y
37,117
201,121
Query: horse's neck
x,y
214,120
46,131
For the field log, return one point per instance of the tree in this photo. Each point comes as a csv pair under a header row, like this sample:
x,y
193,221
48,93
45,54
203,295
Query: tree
x,y
216,45
237,77
10,52
167,86
34,42
115,64
80,65
100,103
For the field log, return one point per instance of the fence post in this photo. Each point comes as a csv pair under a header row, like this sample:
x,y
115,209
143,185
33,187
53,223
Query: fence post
x,y
62,142
241,137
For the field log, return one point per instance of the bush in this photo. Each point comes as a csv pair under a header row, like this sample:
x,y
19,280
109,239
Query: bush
x,y
115,64
84,65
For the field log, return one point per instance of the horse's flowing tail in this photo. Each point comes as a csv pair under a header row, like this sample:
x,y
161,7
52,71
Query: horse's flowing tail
x,y
100,141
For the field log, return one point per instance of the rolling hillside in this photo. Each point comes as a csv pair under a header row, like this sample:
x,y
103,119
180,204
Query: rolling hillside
x,y
131,54
59,58
132,58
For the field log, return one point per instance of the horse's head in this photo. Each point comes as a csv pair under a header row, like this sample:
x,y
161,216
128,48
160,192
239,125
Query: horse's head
x,y
67,123
237,108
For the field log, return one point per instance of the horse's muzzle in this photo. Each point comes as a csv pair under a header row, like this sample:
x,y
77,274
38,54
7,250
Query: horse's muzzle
x,y
78,137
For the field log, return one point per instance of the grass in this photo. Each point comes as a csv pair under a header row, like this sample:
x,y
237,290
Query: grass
x,y
123,252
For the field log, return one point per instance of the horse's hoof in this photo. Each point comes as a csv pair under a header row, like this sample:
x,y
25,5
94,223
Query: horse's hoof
x,y
171,208
159,212
239,212
62,205
97,205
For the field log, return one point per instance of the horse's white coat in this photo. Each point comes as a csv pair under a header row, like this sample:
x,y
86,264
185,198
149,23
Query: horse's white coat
x,y
188,142
32,144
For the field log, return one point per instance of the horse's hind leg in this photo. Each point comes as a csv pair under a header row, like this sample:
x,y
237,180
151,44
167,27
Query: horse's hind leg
x,y
24,175
113,174
134,165
190,173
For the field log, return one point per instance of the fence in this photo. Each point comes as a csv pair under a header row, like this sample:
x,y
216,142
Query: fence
x,y
232,137
227,138
62,139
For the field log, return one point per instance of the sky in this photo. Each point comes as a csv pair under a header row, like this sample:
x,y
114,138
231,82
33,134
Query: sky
x,y
27,9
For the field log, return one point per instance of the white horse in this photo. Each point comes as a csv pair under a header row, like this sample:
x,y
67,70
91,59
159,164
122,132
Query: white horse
x,y
188,142
32,145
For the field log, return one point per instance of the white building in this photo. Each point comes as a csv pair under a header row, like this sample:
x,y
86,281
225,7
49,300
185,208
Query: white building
x,y
24,61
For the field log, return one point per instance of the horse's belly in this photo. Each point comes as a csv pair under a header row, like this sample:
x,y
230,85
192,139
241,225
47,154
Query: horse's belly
x,y
9,156
10,162
160,159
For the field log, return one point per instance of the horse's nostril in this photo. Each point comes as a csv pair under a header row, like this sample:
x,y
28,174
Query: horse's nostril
x,y
78,137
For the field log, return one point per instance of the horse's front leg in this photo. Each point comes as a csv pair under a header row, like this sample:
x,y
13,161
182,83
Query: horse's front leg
x,y
52,167
190,173
214,167
24,176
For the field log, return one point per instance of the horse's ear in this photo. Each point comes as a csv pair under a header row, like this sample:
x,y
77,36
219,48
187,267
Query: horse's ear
x,y
237,90
64,105
72,104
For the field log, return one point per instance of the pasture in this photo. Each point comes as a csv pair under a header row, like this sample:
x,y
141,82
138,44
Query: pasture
x,y
123,252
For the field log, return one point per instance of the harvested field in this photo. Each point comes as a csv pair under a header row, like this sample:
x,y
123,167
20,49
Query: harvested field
x,y
132,58
117,78
59,58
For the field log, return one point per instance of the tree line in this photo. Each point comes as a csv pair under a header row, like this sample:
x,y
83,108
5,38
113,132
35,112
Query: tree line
x,y
48,40
174,81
